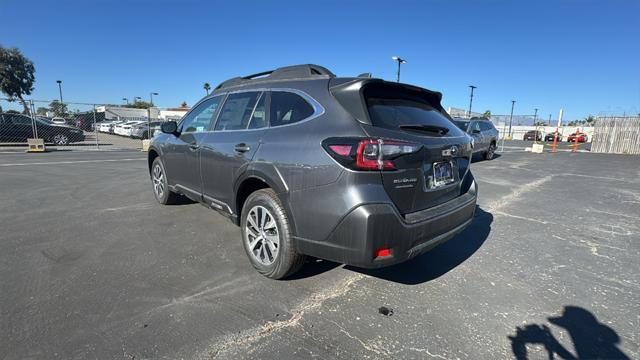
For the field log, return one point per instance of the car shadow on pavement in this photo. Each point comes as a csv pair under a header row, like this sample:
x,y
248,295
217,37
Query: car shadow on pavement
x,y
479,157
591,338
441,259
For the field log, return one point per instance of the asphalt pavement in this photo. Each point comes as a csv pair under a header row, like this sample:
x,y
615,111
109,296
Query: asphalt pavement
x,y
93,267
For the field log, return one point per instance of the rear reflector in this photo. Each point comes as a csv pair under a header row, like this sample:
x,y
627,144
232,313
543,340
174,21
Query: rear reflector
x,y
383,253
343,150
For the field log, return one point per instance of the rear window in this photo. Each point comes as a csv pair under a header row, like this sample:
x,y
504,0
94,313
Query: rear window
x,y
397,108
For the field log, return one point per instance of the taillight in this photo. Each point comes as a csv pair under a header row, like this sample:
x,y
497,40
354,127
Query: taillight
x,y
368,154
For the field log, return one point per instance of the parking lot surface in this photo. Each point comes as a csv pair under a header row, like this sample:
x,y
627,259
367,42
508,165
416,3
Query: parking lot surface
x,y
92,267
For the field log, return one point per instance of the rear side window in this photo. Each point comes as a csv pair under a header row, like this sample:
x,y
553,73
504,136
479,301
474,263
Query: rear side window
x,y
288,108
237,110
396,108
485,125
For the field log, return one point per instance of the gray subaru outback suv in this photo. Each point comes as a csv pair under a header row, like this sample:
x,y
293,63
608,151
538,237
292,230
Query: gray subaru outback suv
x,y
355,170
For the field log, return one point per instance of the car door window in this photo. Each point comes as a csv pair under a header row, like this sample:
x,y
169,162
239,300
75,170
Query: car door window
x,y
237,111
288,108
199,119
475,126
259,118
484,126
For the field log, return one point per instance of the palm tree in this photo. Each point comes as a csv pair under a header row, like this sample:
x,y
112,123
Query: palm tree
x,y
207,87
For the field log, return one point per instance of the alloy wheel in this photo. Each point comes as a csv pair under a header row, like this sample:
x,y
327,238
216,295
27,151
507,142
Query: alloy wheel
x,y
61,139
158,181
261,235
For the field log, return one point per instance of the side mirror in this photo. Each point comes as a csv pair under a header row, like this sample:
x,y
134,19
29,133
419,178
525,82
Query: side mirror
x,y
169,127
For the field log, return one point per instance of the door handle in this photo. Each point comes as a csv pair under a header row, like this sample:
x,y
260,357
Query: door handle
x,y
194,146
241,148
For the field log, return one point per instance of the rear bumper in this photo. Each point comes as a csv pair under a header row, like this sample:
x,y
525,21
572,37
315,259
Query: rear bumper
x,y
371,227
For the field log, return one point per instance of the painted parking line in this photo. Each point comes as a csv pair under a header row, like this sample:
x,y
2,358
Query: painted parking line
x,y
71,162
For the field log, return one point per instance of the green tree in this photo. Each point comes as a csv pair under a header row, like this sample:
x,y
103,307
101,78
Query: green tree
x,y
590,120
486,114
58,108
16,75
13,112
42,111
139,105
184,104
207,87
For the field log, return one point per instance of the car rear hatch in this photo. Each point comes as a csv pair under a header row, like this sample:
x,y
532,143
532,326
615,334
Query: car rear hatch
x,y
433,167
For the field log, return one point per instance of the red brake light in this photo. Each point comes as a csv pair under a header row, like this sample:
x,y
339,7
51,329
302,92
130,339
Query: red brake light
x,y
370,154
383,252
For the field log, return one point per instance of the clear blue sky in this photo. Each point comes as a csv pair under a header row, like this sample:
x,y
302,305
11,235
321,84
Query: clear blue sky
x,y
580,55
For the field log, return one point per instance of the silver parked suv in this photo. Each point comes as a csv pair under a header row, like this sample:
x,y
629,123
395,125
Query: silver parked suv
x,y
354,170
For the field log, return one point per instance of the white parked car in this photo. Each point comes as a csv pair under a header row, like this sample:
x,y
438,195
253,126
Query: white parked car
x,y
105,126
127,128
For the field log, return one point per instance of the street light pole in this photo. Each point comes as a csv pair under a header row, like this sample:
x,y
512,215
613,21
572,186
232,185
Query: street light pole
x,y
400,61
151,97
136,98
535,116
471,99
60,89
126,100
513,103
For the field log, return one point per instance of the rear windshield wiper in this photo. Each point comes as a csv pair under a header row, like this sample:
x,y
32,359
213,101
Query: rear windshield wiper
x,y
441,130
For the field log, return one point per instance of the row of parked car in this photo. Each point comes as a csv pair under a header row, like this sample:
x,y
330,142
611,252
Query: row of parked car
x,y
17,128
135,129
535,135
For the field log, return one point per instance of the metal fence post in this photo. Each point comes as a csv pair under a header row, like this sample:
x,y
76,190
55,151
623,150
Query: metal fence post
x,y
34,126
95,127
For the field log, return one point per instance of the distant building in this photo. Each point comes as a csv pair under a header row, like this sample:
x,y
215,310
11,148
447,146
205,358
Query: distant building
x,y
462,113
173,113
124,113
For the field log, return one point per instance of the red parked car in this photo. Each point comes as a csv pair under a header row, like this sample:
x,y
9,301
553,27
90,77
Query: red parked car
x,y
581,137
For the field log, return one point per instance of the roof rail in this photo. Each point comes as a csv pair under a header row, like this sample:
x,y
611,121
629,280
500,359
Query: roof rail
x,y
287,72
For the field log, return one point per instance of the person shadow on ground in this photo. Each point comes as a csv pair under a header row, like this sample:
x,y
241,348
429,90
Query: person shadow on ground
x,y
591,339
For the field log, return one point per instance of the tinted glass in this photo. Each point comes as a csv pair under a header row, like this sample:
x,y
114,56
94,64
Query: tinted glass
x,y
463,125
259,117
485,125
198,120
475,126
288,108
392,107
22,120
237,111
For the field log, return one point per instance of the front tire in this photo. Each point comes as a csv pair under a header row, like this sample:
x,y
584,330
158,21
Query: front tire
x,y
160,184
266,236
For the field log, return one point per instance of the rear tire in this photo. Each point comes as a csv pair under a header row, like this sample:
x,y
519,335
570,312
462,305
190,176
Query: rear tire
x,y
266,236
160,184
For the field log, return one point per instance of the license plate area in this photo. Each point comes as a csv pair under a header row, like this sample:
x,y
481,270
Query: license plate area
x,y
442,174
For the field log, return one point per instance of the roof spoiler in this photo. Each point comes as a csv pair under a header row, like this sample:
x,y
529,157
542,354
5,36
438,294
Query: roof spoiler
x,y
349,95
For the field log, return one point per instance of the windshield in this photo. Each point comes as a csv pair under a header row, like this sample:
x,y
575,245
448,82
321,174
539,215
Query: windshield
x,y
463,125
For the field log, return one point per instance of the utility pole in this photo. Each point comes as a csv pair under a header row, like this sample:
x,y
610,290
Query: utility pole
x,y
513,103
535,116
471,99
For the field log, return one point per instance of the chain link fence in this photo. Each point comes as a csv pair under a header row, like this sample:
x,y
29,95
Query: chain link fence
x,y
80,125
